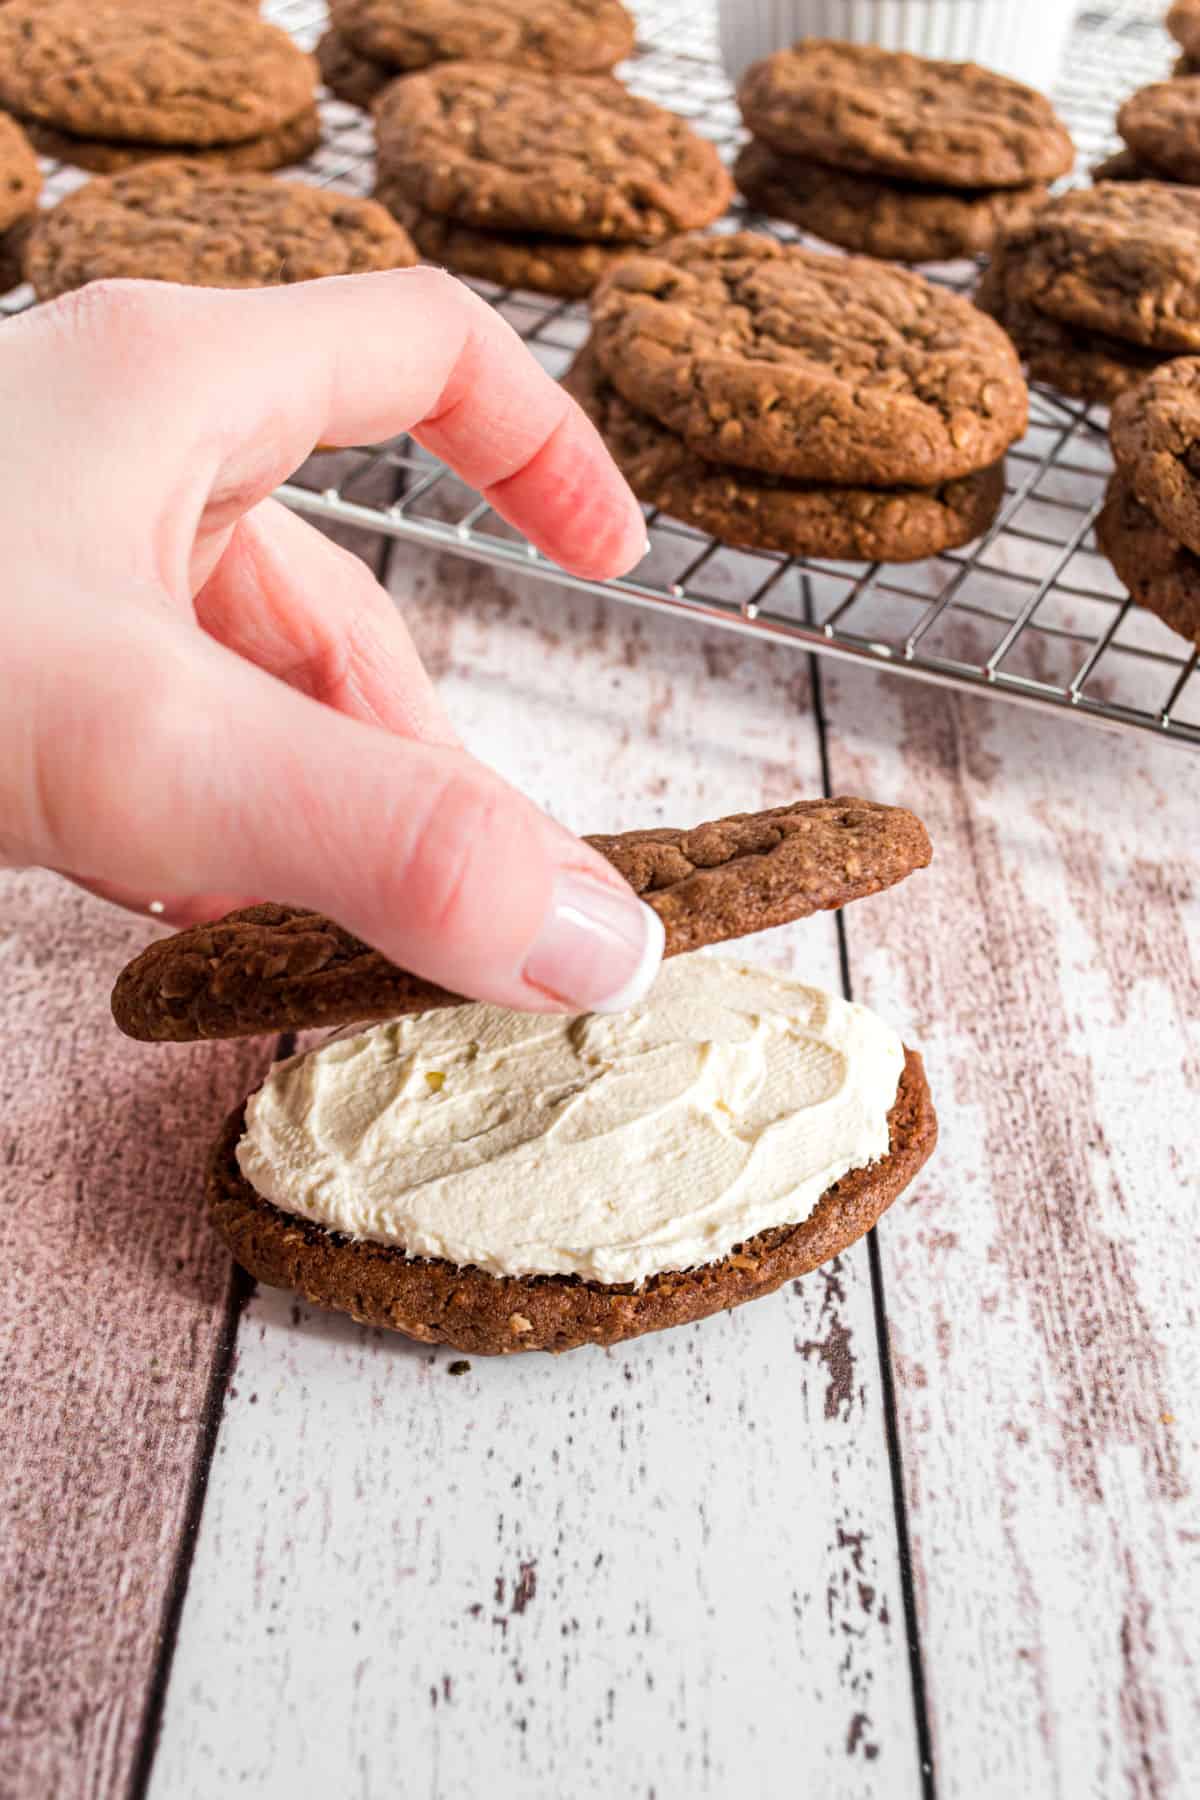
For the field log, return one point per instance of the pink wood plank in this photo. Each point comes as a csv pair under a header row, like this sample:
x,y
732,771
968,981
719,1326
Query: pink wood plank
x,y
112,1299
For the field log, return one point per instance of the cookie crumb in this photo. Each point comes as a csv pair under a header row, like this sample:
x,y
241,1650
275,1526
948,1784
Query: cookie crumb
x,y
459,1368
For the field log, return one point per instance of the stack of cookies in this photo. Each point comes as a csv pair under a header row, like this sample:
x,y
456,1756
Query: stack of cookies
x,y
1161,128
106,84
370,42
1101,286
895,155
780,398
20,185
538,181
1150,526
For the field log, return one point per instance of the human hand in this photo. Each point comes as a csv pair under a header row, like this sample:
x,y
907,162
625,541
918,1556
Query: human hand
x,y
202,696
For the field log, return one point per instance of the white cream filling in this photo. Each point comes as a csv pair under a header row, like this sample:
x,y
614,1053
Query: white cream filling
x,y
609,1147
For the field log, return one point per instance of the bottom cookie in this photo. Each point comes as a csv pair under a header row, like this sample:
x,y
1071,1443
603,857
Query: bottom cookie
x,y
1155,433
1161,575
353,78
840,524
898,221
485,1315
1123,165
291,143
1084,365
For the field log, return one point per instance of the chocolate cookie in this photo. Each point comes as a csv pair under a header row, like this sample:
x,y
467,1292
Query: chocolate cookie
x,y
1155,433
353,78
436,1302
568,267
180,221
1122,259
20,177
1162,576
1161,125
830,369
1183,22
280,149
561,155
12,255
278,968
885,112
1123,165
136,71
1084,365
558,36
899,221
842,524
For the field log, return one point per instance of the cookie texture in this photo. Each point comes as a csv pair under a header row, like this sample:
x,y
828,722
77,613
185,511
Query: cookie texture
x,y
1084,365
768,512
1162,575
280,149
437,1302
352,77
137,71
279,968
832,369
180,221
1122,259
556,36
569,267
20,177
895,220
563,155
1161,125
1183,22
886,112
1155,433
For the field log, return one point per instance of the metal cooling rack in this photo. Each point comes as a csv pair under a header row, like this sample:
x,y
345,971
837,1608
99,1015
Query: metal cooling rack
x,y
1031,613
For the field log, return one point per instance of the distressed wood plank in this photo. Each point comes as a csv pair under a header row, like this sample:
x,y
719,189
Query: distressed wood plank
x,y
665,1570
112,1300
1042,1298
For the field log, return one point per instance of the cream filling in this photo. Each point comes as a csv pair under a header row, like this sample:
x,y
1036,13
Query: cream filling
x,y
609,1147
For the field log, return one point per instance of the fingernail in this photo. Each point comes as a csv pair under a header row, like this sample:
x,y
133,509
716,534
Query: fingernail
x,y
599,948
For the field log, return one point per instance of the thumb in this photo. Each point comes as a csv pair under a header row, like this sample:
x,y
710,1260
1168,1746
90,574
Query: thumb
x,y
176,767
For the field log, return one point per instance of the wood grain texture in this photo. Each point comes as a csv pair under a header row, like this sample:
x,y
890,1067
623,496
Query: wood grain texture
x,y
670,1569
1042,1300
112,1299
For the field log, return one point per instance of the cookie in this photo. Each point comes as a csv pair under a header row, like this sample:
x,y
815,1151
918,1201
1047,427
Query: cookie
x,y
280,149
1183,22
1161,125
832,369
1122,259
1162,576
1155,433
556,36
353,78
1083,365
568,267
136,71
12,255
1123,165
278,968
485,1315
561,155
20,177
764,512
899,221
886,112
181,221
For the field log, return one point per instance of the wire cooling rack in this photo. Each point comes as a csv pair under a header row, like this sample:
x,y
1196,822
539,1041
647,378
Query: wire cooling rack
x,y
1031,613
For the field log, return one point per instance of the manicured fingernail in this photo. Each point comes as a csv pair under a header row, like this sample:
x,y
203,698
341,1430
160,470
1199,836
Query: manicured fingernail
x,y
599,948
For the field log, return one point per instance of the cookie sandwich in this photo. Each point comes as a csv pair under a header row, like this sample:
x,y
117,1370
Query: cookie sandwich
x,y
895,155
784,399
108,84
538,181
504,1182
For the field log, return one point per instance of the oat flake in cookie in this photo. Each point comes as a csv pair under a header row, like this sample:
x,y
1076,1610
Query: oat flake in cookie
x,y
185,222
830,369
555,36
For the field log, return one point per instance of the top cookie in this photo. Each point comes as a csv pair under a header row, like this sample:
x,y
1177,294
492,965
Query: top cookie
x,y
1183,22
568,155
20,177
569,36
1122,258
188,222
834,369
1156,443
277,968
885,112
1161,125
136,71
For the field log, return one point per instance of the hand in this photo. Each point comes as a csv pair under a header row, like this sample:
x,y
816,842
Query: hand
x,y
200,695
